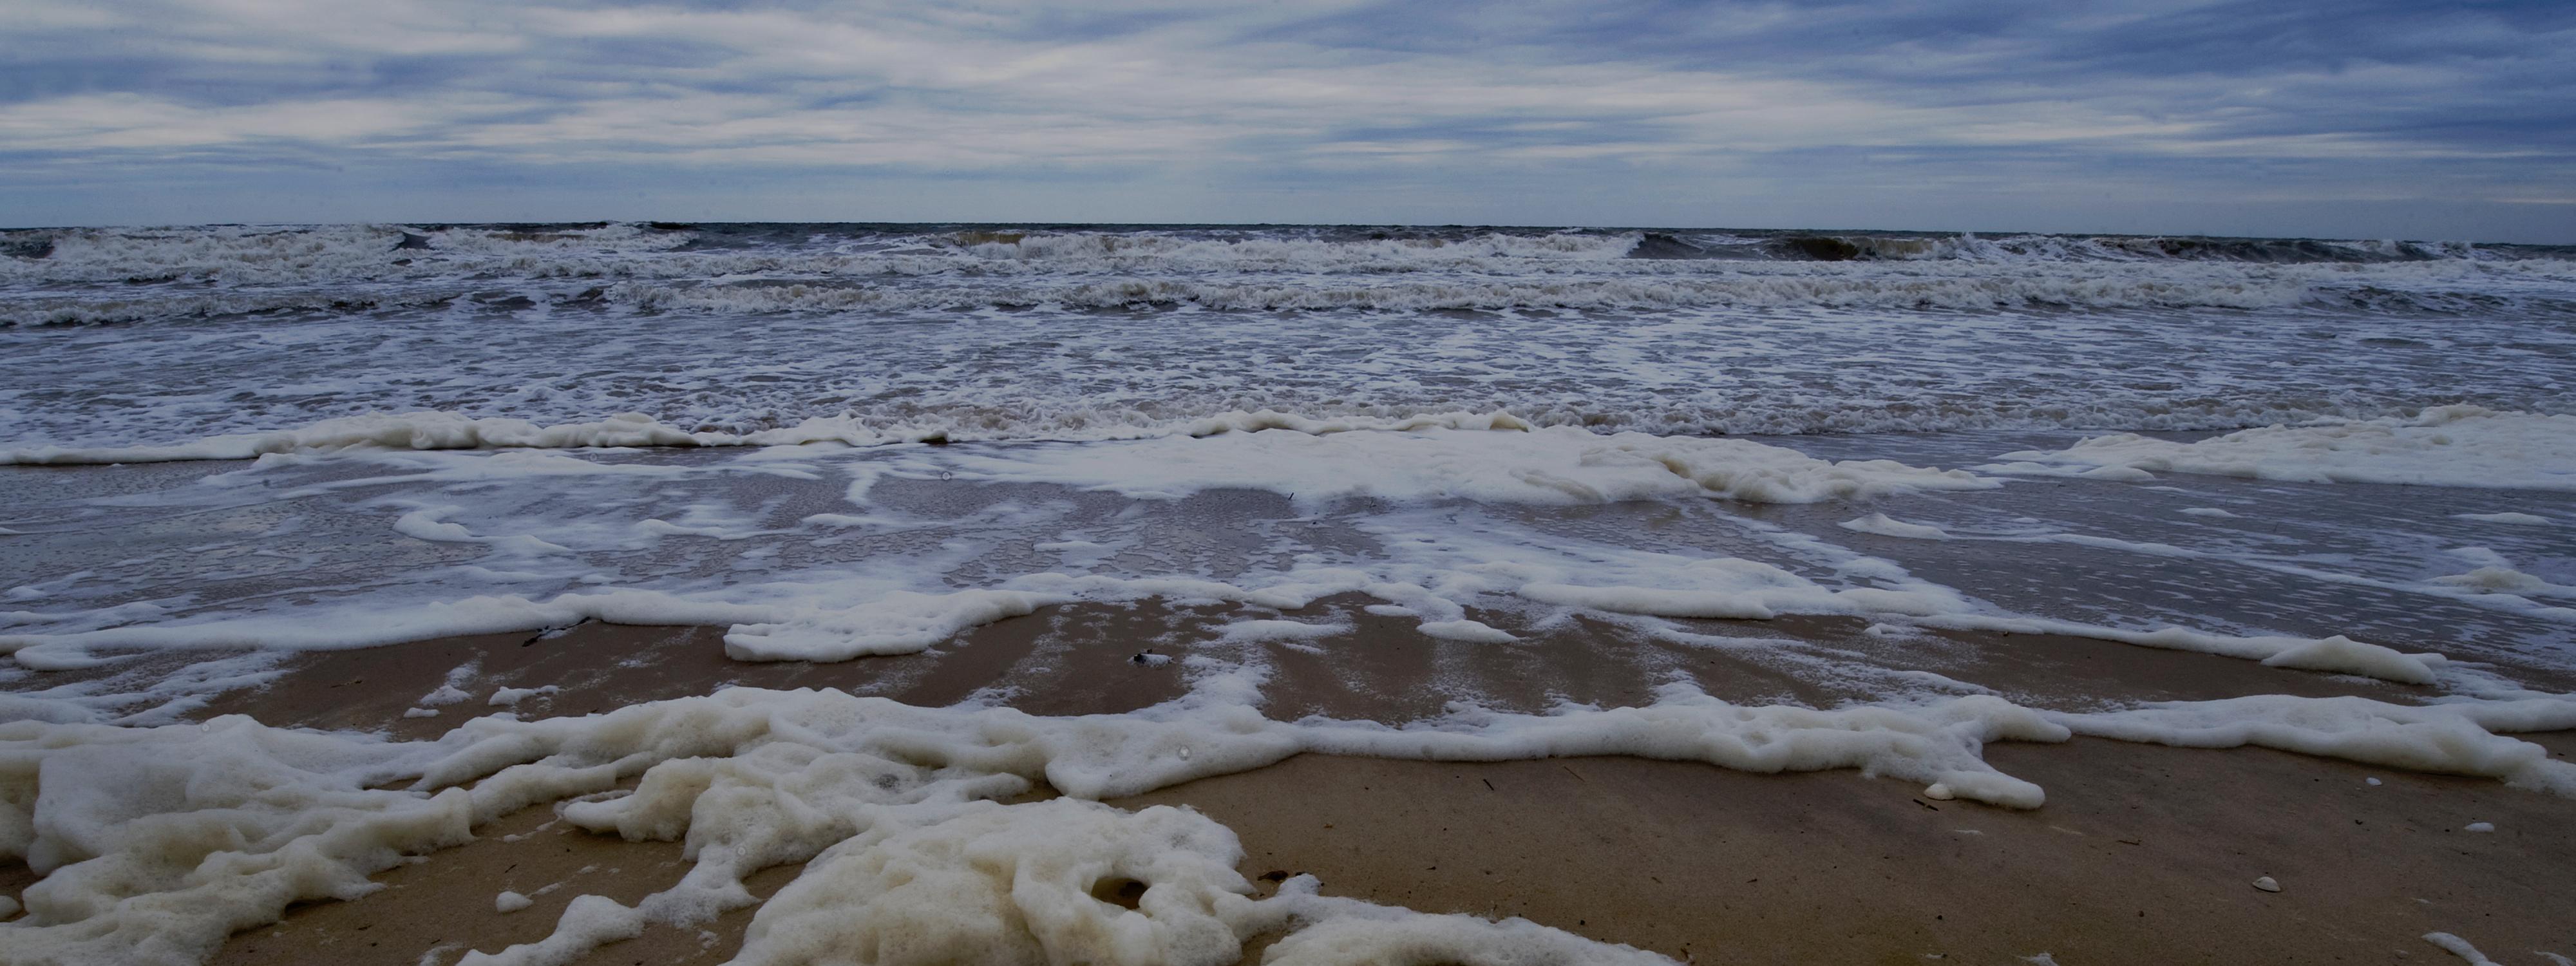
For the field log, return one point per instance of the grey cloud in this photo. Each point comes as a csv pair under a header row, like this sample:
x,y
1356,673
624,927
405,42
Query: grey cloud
x,y
2023,114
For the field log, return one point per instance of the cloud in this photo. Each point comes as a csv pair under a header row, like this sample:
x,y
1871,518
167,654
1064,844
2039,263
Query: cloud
x,y
1969,115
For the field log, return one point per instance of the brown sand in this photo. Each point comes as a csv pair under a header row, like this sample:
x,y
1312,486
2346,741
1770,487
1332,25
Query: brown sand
x,y
2143,854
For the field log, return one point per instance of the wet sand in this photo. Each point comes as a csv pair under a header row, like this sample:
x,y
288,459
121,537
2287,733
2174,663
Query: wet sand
x,y
2143,853
1077,659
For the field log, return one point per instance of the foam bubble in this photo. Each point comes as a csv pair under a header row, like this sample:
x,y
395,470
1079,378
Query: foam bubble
x,y
2465,446
2517,519
1882,525
156,843
140,832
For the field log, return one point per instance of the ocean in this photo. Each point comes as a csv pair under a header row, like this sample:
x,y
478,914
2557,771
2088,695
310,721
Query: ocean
x,y
323,548
986,333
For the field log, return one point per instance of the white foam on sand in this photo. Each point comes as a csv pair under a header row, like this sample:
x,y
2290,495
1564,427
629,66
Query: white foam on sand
x,y
2459,947
2464,446
2336,654
2343,655
510,697
156,843
2461,737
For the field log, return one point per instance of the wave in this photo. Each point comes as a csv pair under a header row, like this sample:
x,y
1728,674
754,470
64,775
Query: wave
x,y
2122,248
55,311
1967,292
242,254
443,430
1964,291
84,276
1913,292
2462,446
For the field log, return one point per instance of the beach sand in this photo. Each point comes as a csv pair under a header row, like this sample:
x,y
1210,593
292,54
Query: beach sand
x,y
2142,854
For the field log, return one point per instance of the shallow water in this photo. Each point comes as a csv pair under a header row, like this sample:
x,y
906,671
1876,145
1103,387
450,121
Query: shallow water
x,y
365,547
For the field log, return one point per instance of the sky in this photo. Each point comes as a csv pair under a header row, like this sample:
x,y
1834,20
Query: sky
x,y
2352,118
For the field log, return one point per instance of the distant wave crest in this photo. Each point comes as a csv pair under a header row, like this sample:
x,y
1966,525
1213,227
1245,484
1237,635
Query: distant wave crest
x,y
88,276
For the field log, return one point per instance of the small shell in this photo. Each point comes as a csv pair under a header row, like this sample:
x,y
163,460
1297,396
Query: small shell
x,y
2266,884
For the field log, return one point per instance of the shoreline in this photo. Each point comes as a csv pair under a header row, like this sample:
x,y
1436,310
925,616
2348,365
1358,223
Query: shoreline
x,y
1075,659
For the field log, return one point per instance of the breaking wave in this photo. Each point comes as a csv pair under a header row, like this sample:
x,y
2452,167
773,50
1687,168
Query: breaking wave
x,y
86,276
439,430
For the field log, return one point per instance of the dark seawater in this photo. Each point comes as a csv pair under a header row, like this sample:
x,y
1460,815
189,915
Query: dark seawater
x,y
126,337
